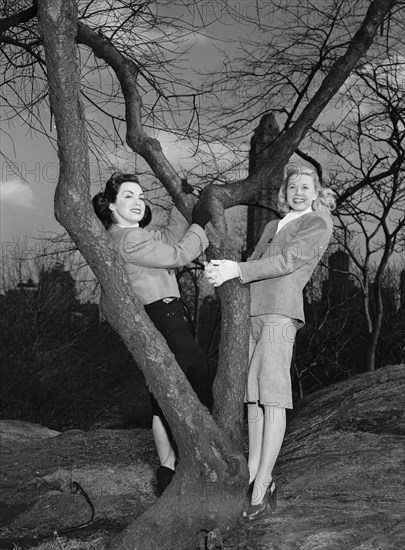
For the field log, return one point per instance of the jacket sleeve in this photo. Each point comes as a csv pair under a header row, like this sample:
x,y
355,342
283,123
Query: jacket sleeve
x,y
141,248
174,230
307,244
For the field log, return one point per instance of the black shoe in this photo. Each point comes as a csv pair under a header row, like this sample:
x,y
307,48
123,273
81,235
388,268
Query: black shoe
x,y
163,476
255,511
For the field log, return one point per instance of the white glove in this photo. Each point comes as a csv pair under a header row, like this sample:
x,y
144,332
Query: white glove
x,y
219,271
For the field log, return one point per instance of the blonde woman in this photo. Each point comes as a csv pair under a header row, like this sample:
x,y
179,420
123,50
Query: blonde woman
x,y
278,270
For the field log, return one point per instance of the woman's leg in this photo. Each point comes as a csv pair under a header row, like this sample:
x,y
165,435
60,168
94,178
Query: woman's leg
x,y
167,455
193,361
168,319
273,339
255,415
274,425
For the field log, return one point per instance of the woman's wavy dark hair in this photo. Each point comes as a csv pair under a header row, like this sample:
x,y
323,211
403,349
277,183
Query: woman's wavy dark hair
x,y
102,201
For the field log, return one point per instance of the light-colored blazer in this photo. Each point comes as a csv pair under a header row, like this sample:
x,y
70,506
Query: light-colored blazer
x,y
150,255
283,263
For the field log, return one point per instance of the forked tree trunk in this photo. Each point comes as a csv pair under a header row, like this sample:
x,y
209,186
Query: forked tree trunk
x,y
208,489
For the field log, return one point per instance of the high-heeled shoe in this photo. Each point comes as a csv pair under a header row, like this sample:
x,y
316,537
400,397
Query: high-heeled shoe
x,y
255,511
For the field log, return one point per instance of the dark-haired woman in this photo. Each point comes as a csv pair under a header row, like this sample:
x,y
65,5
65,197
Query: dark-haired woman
x,y
149,258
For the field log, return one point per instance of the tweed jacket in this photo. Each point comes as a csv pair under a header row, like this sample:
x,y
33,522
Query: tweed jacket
x,y
283,263
150,255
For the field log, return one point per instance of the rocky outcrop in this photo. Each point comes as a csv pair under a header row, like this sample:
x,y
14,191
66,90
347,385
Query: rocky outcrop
x,y
341,470
340,476
20,431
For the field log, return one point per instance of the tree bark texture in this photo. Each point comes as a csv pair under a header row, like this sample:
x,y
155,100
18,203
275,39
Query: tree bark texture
x,y
232,368
208,489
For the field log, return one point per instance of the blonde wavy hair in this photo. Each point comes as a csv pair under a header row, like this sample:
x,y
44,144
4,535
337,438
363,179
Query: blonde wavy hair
x,y
325,200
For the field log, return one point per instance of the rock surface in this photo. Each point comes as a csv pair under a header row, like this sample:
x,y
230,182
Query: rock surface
x,y
341,471
18,430
45,482
340,476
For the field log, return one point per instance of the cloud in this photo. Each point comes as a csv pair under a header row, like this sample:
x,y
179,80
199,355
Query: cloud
x,y
17,193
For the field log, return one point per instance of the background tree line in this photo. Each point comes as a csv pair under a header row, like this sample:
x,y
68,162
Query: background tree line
x,y
63,366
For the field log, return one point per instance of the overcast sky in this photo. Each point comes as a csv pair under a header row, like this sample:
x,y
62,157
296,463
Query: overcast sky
x,y
27,190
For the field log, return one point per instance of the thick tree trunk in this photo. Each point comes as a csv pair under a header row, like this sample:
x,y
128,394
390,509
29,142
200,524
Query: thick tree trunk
x,y
230,380
208,488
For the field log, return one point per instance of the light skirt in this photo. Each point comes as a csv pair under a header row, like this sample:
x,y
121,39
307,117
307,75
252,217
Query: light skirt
x,y
271,346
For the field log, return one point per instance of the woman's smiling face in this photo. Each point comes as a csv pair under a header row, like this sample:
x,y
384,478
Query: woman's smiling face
x,y
129,206
301,192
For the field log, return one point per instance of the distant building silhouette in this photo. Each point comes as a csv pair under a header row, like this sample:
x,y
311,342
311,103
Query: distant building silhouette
x,y
339,284
53,299
56,288
258,216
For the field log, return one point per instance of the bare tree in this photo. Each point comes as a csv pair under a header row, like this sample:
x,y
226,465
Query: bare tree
x,y
277,69
392,336
368,173
208,488
155,39
60,364
38,324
